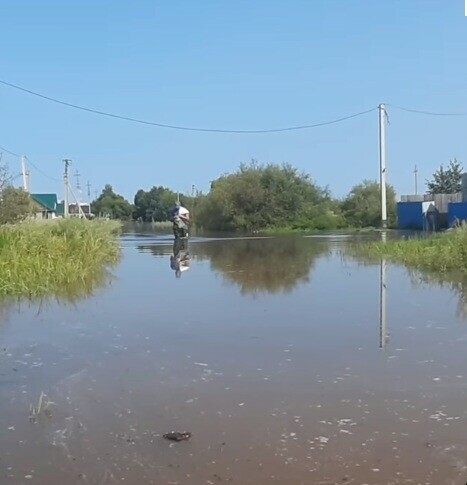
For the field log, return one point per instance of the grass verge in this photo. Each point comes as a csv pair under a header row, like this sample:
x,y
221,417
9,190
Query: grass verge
x,y
440,252
60,257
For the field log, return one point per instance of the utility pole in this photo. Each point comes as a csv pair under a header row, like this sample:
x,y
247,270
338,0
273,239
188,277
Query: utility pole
x,y
193,190
67,162
77,175
382,162
415,174
88,185
78,188
25,173
78,205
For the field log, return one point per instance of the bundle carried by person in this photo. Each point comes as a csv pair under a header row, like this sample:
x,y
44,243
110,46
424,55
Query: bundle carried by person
x,y
180,221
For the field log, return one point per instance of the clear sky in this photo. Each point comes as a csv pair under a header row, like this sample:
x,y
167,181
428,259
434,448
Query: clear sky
x,y
232,65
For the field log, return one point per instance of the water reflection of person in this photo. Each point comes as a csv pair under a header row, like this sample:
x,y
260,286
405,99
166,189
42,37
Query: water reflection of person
x,y
180,260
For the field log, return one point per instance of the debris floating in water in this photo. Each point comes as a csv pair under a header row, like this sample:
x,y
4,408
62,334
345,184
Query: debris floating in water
x,y
177,436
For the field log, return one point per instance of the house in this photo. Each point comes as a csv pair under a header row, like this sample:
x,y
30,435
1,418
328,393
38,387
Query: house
x,y
45,206
83,208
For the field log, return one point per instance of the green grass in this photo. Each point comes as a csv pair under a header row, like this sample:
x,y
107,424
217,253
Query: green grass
x,y
60,257
441,252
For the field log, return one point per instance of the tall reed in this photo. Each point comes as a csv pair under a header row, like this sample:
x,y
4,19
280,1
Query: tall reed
x,y
56,257
441,252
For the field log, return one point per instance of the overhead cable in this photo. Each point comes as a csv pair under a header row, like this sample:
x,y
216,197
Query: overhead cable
x,y
3,149
178,127
430,113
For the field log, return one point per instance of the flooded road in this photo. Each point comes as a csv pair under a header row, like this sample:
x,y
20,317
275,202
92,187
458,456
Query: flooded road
x,y
289,362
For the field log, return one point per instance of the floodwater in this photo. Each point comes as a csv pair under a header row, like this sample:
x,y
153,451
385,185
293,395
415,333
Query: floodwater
x,y
289,361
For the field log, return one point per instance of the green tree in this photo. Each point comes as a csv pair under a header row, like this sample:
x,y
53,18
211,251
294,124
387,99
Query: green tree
x,y
154,204
15,205
265,196
362,207
447,181
112,205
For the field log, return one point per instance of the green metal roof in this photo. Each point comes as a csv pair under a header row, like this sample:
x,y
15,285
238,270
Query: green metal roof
x,y
47,201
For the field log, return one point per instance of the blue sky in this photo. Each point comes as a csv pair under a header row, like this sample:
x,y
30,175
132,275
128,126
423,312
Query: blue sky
x,y
232,65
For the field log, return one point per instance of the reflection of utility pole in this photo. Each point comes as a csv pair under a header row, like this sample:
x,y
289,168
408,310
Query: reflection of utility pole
x,y
66,180
415,172
382,310
383,334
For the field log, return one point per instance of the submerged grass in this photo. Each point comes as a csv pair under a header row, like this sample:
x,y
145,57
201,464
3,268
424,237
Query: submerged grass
x,y
60,257
441,252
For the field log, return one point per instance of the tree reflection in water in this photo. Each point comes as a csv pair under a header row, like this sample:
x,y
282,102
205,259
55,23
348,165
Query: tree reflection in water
x,y
257,265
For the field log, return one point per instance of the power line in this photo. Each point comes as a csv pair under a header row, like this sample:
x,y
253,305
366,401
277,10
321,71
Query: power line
x,y
430,113
178,127
8,151
3,149
42,172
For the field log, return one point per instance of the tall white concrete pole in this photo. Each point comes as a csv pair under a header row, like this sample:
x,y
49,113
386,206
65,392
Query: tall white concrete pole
x,y
25,174
382,163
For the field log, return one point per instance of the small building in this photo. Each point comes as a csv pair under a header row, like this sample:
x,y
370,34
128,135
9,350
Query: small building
x,y
45,206
426,212
457,212
418,215
75,211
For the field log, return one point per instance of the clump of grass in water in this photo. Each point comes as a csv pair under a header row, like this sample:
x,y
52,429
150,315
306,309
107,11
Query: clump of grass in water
x,y
56,257
440,252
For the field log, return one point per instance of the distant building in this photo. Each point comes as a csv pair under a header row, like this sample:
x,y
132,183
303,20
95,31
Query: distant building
x,y
47,206
432,212
85,208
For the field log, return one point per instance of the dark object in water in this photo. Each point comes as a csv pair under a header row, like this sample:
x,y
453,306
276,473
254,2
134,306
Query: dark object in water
x,y
177,436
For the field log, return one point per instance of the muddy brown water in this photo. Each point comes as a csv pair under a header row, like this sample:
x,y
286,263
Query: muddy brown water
x,y
288,361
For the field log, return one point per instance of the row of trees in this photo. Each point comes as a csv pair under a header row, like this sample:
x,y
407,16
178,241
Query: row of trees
x,y
271,196
254,197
